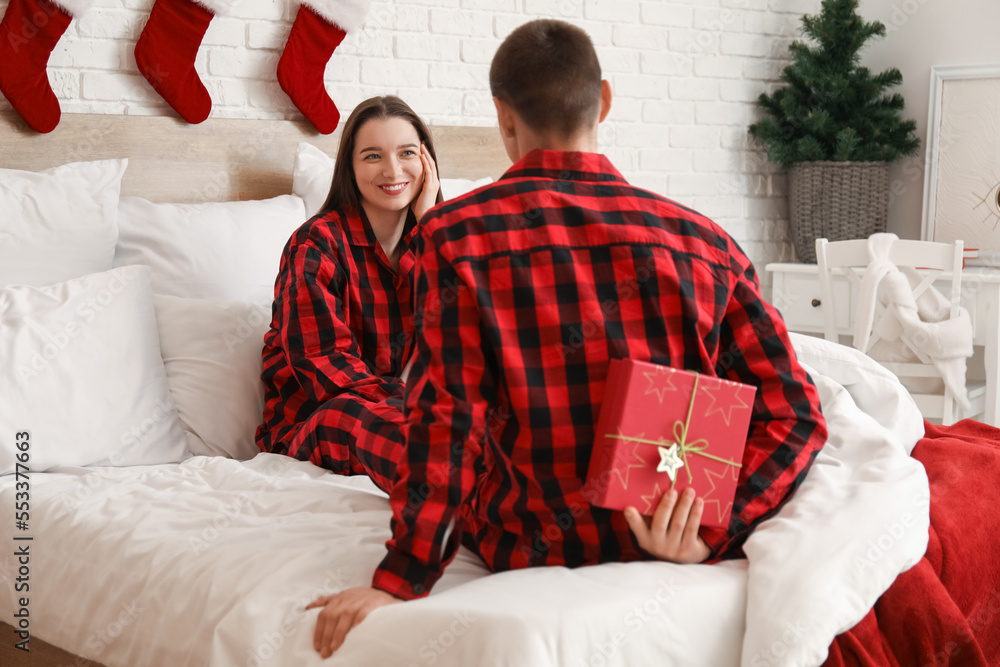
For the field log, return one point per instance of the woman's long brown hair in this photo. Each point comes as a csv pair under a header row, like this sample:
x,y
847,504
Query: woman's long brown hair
x,y
344,187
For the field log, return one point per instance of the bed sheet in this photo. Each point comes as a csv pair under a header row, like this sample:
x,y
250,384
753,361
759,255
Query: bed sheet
x,y
211,561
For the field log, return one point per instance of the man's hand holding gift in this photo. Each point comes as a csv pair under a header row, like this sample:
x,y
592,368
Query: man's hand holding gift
x,y
671,534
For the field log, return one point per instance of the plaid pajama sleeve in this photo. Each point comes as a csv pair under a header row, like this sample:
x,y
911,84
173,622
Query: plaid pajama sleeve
x,y
319,345
787,429
452,385
312,356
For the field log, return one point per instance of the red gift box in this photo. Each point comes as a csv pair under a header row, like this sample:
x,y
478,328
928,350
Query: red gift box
x,y
662,428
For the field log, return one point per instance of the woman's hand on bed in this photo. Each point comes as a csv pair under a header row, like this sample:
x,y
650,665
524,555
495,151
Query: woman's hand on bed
x,y
428,193
671,534
341,612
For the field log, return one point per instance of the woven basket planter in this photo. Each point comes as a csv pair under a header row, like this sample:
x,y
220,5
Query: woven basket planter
x,y
837,201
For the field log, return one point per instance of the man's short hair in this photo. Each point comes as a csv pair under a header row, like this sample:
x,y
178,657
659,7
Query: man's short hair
x,y
548,71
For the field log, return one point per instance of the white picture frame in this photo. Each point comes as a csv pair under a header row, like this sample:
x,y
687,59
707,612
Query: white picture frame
x,y
962,168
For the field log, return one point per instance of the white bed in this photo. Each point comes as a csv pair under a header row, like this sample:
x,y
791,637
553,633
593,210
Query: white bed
x,y
210,560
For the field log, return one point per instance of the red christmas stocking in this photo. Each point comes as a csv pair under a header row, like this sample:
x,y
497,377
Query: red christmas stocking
x,y
320,26
167,48
28,33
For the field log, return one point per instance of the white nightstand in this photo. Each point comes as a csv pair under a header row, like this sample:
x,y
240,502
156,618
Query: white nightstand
x,y
795,293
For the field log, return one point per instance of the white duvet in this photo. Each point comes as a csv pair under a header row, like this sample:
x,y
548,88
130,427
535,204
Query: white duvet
x,y
211,561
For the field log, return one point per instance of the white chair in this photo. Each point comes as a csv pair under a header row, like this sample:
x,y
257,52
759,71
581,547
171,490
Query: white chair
x,y
936,262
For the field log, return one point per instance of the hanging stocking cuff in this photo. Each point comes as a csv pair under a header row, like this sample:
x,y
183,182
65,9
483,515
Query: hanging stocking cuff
x,y
217,7
74,7
348,14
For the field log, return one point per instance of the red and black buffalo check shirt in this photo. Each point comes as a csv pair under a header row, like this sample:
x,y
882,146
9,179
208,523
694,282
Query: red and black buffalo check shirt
x,y
525,289
342,321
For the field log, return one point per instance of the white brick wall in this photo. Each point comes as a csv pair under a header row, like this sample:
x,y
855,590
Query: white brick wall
x,y
685,73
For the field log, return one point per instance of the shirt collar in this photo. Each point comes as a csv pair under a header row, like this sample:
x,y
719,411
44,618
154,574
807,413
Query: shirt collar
x,y
564,166
360,233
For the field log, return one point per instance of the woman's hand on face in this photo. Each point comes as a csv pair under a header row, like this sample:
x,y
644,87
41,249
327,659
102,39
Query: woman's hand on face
x,y
428,193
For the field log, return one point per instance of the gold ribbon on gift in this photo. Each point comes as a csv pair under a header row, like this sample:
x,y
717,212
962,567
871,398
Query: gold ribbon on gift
x,y
680,440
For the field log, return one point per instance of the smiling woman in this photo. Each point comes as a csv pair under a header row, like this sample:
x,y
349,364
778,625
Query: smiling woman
x,y
342,324
380,136
389,169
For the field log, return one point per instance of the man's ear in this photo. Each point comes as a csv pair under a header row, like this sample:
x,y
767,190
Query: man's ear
x,y
605,100
505,118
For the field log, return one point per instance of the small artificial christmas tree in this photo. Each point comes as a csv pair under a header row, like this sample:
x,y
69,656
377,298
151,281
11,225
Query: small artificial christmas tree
x,y
832,109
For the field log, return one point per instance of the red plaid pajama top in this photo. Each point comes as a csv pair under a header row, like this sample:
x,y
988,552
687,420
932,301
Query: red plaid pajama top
x,y
525,289
341,333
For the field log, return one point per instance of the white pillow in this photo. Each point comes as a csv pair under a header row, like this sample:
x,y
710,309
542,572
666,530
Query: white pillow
x,y
456,187
83,374
212,353
313,173
224,250
58,223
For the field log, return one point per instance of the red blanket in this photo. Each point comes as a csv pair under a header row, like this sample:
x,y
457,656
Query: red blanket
x,y
946,609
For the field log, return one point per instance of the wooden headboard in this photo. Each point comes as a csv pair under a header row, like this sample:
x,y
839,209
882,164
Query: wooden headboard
x,y
221,159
